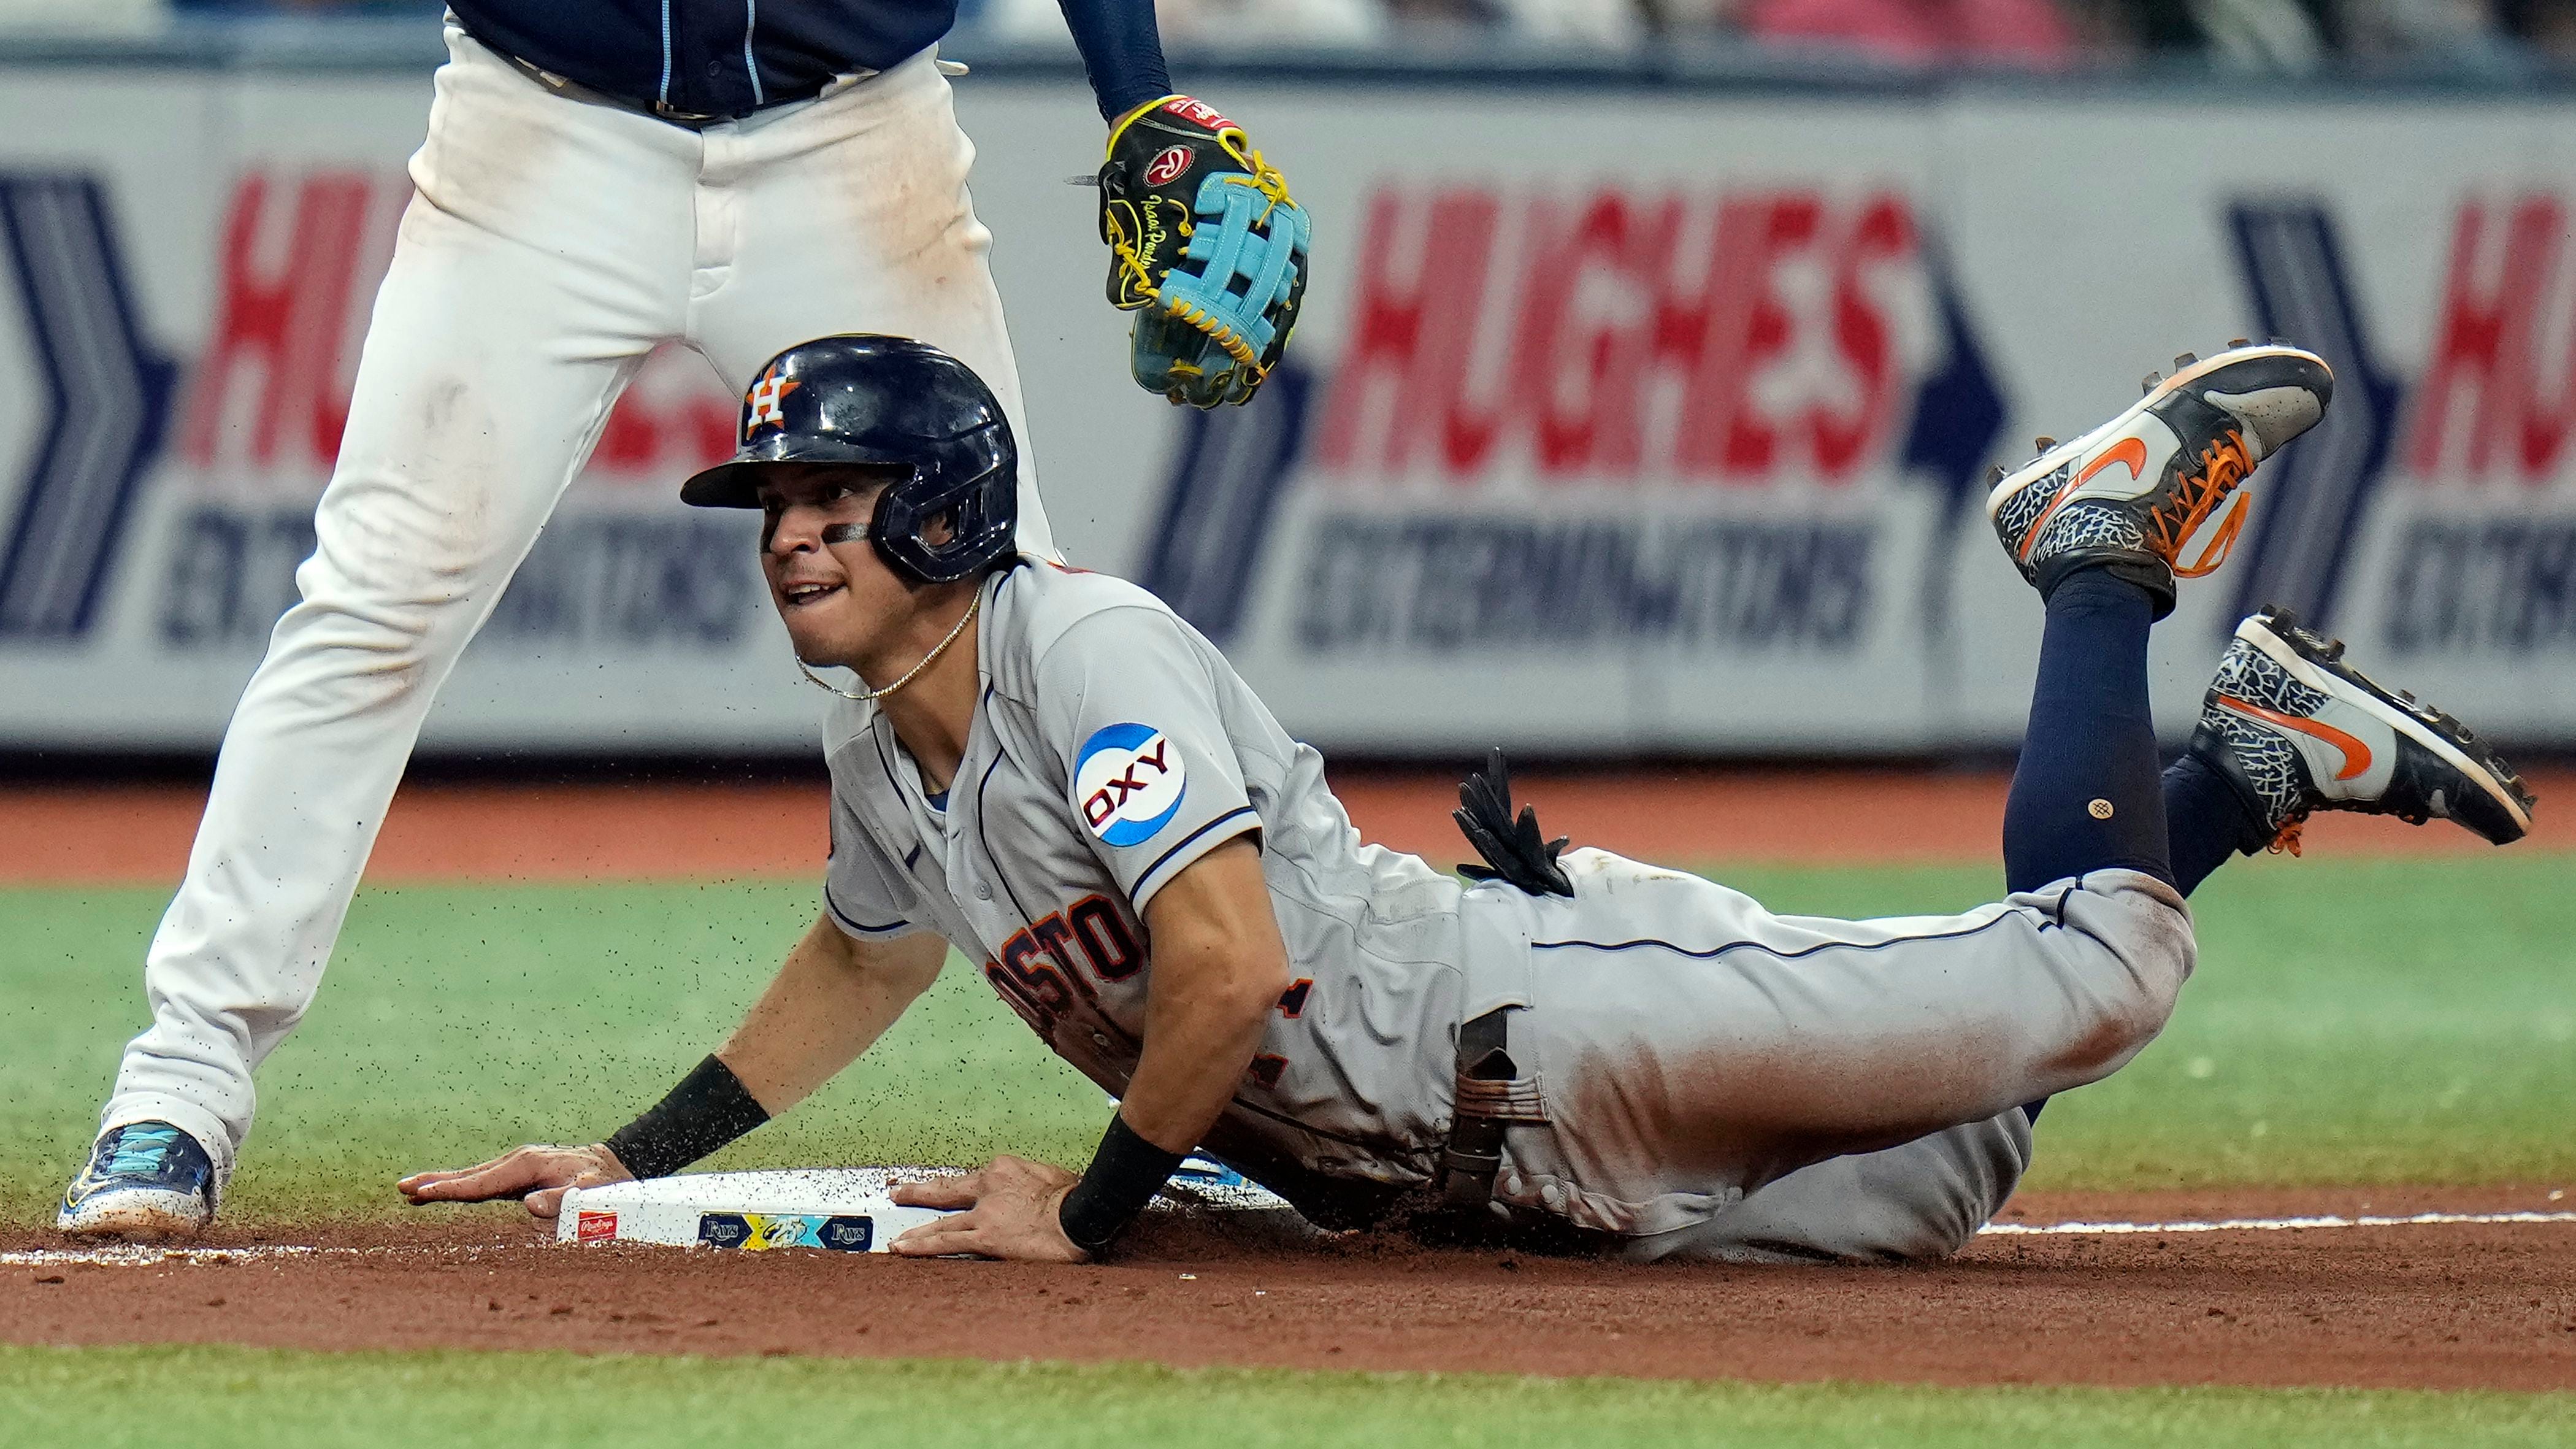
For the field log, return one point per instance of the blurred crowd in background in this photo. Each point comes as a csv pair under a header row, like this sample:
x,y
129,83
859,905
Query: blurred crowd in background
x,y
2470,37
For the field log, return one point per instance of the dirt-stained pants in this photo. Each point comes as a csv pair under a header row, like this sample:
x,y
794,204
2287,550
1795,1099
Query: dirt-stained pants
x,y
1720,1080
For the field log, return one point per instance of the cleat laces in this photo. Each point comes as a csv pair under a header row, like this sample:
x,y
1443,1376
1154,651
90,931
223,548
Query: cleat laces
x,y
2224,464
141,1152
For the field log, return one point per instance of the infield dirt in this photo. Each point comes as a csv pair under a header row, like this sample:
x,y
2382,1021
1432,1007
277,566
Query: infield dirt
x,y
2489,1306
110,834
2445,1306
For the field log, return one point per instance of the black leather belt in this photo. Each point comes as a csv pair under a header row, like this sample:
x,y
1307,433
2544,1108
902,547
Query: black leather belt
x,y
574,90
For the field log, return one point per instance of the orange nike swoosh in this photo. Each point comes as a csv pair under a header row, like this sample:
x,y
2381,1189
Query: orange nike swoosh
x,y
2132,451
2356,755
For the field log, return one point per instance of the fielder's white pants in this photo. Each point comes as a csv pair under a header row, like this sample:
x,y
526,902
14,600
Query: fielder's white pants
x,y
550,245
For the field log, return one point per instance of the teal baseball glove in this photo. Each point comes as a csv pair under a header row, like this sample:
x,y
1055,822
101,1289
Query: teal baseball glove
x,y
1205,245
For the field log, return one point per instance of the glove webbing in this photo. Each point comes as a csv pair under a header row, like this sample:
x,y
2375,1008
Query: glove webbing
x,y
1264,178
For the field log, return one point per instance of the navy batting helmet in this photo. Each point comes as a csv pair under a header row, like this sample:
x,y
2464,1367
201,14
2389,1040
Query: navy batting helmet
x,y
903,406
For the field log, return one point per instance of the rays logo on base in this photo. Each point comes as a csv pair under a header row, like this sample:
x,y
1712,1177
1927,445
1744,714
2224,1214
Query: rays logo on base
x,y
1129,781
761,1232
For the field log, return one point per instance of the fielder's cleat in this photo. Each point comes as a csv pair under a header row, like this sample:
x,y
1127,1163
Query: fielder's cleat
x,y
145,1181
2131,493
2296,729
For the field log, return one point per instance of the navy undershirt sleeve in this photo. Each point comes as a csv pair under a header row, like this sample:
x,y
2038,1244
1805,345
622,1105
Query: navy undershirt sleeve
x,y
1122,52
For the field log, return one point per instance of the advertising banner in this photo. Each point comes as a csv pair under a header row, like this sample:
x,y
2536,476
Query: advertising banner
x,y
1615,423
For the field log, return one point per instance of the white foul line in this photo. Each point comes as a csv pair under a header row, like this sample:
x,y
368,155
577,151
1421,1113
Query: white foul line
x,y
2272,1225
143,1257
131,1256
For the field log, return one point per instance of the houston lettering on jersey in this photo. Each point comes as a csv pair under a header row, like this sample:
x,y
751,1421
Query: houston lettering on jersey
x,y
1040,971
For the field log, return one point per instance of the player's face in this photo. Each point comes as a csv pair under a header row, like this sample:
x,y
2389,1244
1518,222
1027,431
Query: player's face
x,y
837,597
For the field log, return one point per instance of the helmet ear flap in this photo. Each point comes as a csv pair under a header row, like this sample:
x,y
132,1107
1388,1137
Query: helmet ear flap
x,y
939,527
883,520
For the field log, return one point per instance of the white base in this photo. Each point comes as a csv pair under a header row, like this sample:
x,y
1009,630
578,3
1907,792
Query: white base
x,y
845,1209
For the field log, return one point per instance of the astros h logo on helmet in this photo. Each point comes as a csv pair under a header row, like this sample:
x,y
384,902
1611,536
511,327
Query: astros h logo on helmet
x,y
763,400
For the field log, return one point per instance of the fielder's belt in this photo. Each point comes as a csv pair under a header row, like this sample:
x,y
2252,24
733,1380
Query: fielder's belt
x,y
663,111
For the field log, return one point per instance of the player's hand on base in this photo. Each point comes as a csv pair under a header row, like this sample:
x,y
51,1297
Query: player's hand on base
x,y
1009,1212
535,1175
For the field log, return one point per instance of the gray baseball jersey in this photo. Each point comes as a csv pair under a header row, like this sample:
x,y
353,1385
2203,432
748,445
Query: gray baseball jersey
x,y
1680,1046
1112,747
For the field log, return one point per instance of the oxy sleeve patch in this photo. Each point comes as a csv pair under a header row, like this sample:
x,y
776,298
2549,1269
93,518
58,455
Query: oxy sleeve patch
x,y
1128,782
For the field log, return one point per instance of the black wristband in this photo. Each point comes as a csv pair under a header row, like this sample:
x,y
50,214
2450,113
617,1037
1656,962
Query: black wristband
x,y
709,1108
1124,1176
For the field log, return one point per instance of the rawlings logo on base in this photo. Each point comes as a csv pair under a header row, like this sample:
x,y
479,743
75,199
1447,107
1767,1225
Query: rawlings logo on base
x,y
594,1227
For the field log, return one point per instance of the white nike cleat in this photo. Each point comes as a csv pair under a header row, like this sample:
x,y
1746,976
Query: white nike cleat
x,y
2296,730
2129,495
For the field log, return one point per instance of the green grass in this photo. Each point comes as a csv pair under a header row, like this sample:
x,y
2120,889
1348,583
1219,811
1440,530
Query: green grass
x,y
457,1021
2352,1022
221,1397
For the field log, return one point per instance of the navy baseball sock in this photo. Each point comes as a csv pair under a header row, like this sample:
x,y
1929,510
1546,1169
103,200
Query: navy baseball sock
x,y
2206,821
2086,795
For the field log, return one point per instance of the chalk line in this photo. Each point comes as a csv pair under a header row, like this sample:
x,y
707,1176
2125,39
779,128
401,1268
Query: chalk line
x,y
2270,1225
136,1256
131,1256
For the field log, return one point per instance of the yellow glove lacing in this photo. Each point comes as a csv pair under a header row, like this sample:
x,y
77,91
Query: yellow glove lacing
x,y
1264,177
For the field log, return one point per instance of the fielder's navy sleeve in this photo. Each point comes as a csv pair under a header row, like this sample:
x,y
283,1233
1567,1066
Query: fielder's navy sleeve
x,y
1151,771
862,891
1122,52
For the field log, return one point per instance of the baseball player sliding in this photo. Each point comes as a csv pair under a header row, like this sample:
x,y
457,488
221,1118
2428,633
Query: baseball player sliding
x,y
1049,770
601,177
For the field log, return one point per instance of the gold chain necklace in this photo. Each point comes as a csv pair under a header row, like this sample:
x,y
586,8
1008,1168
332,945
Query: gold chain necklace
x,y
909,675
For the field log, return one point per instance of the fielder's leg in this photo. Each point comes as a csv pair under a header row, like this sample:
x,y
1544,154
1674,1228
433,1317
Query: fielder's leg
x,y
543,256
851,214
